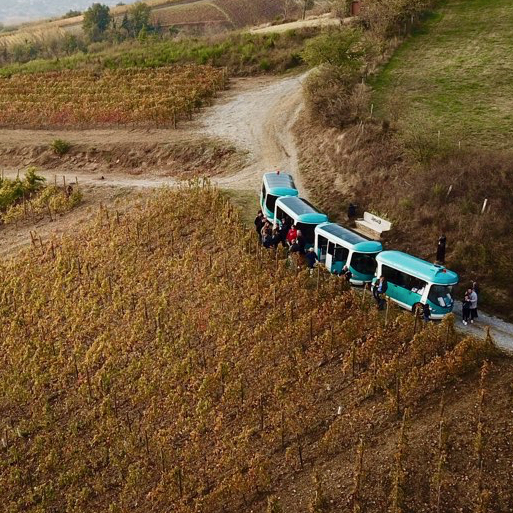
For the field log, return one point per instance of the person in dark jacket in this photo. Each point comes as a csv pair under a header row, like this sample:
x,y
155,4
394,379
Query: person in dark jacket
x,y
301,242
346,273
351,212
426,312
440,250
284,230
465,307
276,237
380,289
259,222
311,258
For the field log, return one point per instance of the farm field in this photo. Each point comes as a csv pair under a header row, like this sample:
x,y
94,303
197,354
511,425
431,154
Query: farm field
x,y
153,97
455,75
211,14
161,361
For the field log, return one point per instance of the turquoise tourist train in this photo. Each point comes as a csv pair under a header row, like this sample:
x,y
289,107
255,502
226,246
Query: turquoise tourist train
x,y
274,186
413,282
300,213
337,247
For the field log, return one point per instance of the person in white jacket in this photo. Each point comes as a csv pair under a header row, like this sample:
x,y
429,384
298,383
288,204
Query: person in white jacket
x,y
473,306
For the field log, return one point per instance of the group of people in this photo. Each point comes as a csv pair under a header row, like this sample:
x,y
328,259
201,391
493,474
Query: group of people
x,y
290,237
286,234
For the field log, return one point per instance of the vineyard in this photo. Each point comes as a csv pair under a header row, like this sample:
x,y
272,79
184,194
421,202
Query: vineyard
x,y
85,98
32,199
156,361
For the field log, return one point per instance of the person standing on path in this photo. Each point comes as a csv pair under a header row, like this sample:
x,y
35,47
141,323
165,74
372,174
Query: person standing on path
x,y
473,306
440,250
380,289
465,309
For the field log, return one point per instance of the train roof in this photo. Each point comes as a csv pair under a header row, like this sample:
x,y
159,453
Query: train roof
x,y
280,184
427,271
300,210
347,237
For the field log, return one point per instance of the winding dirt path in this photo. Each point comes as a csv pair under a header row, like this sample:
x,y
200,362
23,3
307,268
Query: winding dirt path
x,y
256,115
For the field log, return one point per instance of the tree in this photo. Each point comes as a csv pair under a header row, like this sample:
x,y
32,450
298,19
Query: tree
x,y
71,14
96,21
139,18
307,4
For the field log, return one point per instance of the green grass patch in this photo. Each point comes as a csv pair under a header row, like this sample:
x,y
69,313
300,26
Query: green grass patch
x,y
454,75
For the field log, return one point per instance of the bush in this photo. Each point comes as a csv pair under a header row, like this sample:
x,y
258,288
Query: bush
x,y
342,48
60,147
332,96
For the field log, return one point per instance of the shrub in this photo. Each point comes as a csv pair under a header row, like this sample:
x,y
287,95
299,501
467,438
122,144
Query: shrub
x,y
330,96
60,147
265,65
342,48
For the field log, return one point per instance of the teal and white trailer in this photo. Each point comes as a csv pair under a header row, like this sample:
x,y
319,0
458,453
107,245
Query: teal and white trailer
x,y
338,247
301,214
274,186
413,282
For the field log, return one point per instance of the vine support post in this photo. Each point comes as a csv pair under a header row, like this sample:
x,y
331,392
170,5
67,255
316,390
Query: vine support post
x,y
300,451
353,358
282,426
398,394
363,295
261,407
386,313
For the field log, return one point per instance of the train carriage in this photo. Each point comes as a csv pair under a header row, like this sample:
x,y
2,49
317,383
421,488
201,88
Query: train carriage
x,y
413,282
337,247
300,213
274,186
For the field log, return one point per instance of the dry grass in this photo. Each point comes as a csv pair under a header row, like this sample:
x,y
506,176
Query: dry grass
x,y
372,167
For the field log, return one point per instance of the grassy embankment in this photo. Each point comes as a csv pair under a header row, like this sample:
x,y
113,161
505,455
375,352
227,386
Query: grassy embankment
x,y
160,361
241,53
439,146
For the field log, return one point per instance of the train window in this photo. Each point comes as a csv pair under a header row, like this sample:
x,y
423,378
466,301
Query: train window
x,y
338,253
341,254
322,244
270,202
308,232
363,263
264,192
403,280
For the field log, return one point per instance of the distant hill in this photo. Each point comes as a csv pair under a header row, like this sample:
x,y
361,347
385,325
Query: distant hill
x,y
18,11
211,14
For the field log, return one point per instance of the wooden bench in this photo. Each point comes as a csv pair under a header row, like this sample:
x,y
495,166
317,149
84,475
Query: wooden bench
x,y
373,225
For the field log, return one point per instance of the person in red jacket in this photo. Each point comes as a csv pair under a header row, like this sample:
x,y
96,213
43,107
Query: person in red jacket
x,y
292,235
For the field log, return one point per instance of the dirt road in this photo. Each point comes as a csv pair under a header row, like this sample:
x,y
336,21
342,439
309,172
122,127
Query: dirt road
x,y
319,21
255,114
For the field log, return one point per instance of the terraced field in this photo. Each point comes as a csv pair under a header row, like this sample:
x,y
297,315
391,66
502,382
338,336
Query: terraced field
x,y
223,13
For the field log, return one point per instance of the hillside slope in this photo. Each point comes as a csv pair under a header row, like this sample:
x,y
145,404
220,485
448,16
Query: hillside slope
x,y
434,144
160,361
